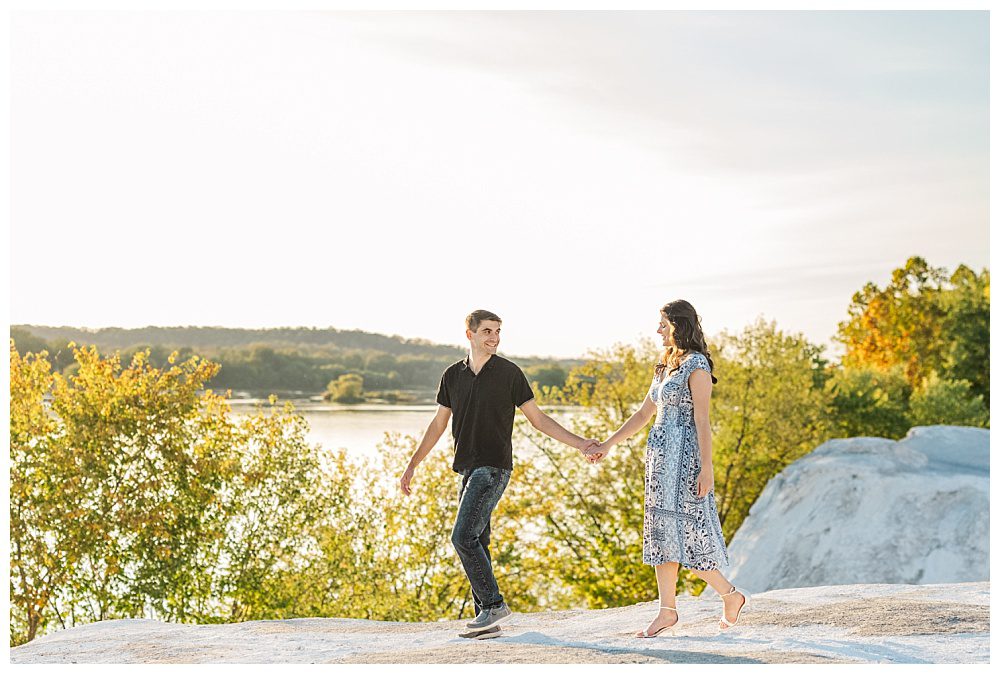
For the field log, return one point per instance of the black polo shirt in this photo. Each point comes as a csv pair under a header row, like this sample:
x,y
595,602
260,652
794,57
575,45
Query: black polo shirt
x,y
482,411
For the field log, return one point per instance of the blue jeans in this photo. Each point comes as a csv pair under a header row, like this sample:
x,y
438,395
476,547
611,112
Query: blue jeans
x,y
481,490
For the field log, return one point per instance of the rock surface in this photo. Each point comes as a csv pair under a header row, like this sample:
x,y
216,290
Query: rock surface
x,y
872,510
836,624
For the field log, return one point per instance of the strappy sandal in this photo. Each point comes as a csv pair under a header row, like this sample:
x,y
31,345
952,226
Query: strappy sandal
x,y
746,600
646,634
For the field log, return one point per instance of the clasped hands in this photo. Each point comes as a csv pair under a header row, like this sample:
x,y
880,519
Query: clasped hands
x,y
593,450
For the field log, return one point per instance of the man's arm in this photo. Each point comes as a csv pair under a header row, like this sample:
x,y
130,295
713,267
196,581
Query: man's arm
x,y
435,429
546,424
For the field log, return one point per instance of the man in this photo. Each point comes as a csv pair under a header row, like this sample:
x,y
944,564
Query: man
x,y
480,394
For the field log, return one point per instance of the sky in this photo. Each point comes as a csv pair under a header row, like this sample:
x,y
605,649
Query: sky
x,y
570,171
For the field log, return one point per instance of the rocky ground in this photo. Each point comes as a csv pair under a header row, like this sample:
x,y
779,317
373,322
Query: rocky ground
x,y
945,623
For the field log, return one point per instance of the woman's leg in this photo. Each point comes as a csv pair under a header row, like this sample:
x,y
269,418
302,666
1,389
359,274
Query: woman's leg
x,y
731,602
666,583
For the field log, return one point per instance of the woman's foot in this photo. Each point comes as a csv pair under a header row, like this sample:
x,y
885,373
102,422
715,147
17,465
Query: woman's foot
x,y
664,620
732,605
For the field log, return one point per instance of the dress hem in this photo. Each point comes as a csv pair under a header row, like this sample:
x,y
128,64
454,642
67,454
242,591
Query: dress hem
x,y
717,567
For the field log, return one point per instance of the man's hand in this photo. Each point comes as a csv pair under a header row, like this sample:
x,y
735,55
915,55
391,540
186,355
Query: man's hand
x,y
597,452
592,450
404,482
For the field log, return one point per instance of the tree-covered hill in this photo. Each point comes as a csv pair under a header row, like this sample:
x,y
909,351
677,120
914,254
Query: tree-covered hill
x,y
347,364
208,337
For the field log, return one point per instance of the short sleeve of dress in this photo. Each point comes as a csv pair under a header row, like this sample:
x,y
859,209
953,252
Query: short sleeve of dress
x,y
699,362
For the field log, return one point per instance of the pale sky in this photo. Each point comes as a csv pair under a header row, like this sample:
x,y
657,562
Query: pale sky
x,y
571,171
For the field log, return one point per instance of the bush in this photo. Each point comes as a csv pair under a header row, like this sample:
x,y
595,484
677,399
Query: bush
x,y
138,494
947,401
866,401
348,388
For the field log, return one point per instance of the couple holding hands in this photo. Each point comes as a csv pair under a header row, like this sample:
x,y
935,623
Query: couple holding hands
x,y
681,524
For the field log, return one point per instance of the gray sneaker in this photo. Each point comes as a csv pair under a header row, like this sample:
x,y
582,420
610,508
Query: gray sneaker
x,y
488,633
489,617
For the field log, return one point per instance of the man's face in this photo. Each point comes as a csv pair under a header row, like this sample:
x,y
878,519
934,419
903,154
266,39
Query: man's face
x,y
486,337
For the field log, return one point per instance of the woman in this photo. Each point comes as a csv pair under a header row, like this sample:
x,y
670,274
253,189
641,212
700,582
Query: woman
x,y
681,523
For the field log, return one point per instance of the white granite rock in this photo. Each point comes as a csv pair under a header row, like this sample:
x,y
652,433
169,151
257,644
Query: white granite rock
x,y
871,510
835,624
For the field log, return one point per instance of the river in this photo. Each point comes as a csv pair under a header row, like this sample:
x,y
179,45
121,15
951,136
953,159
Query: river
x,y
359,428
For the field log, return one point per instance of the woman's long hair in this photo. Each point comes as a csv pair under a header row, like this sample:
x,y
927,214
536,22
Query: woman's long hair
x,y
688,337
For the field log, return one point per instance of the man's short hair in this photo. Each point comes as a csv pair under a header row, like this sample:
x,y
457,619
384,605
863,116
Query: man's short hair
x,y
473,320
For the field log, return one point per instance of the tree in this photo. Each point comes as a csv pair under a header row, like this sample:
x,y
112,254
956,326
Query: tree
x,y
900,324
40,558
867,401
546,375
276,504
347,388
137,493
27,342
589,517
768,409
947,401
134,471
339,574
967,326
925,322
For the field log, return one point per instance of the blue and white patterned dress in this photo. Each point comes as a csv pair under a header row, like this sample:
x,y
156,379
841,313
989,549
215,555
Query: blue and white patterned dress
x,y
678,526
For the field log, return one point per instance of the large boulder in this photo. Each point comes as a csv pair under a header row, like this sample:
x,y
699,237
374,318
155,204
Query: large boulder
x,y
871,510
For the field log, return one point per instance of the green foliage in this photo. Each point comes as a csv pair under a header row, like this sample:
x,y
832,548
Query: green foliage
x,y
590,516
294,360
923,321
947,401
264,368
900,324
40,555
333,569
768,409
213,339
420,575
136,493
966,350
348,388
866,401
274,504
58,353
135,472
27,342
546,375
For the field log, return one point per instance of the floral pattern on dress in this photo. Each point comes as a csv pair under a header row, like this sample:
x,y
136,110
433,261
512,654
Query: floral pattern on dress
x,y
677,525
